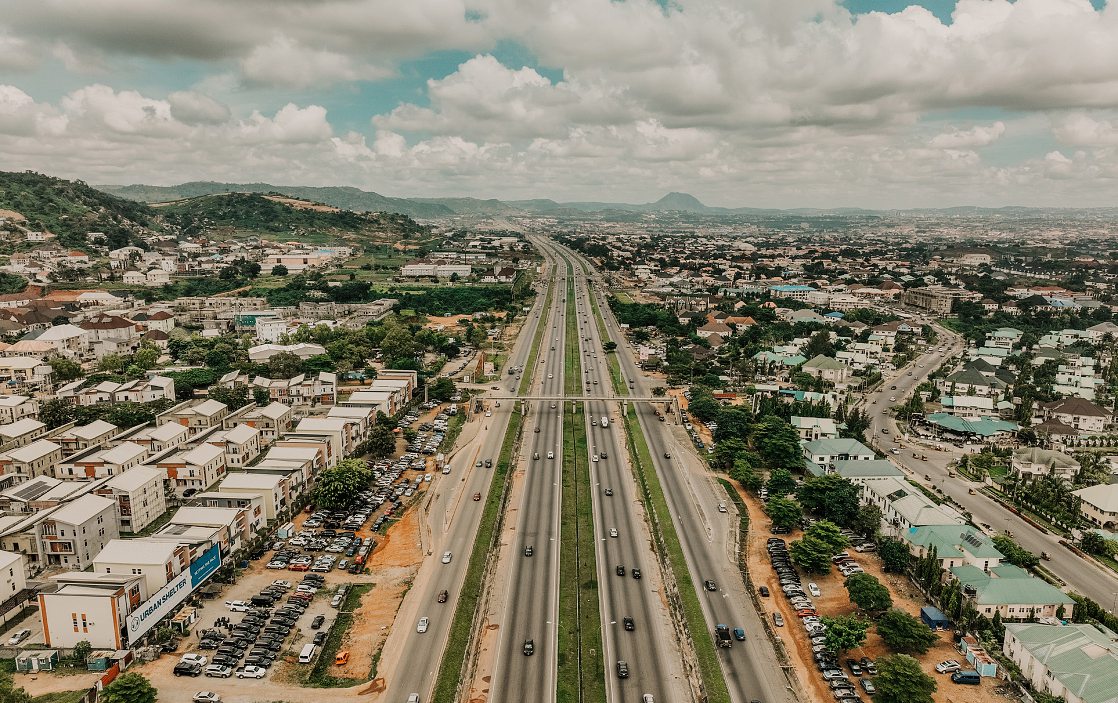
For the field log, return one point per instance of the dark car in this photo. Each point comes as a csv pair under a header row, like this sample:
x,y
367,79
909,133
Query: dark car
x,y
710,585
764,591
636,573
622,670
317,622
529,647
319,638
628,623
443,596
609,491
188,669
529,550
739,634
620,570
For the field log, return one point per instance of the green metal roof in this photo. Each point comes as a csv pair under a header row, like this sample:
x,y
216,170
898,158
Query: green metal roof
x,y
1081,657
1009,585
947,540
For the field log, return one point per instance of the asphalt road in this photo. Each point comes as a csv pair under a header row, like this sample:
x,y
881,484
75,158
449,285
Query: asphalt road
x,y
751,668
533,582
411,660
1088,578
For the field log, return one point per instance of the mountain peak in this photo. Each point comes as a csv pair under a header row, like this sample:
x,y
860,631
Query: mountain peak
x,y
680,201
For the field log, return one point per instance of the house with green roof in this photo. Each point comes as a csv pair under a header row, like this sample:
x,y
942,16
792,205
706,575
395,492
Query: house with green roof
x,y
821,454
1076,662
983,428
904,506
1031,462
955,545
828,369
860,470
1012,592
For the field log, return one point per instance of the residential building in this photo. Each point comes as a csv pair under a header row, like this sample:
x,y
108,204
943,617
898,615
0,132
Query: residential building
x,y
1083,415
88,607
904,506
812,428
21,433
821,454
272,420
154,438
191,470
13,575
156,561
101,462
1099,504
35,459
80,437
937,300
195,415
17,407
139,495
275,489
1012,592
827,369
240,443
954,545
76,532
1075,662
1031,462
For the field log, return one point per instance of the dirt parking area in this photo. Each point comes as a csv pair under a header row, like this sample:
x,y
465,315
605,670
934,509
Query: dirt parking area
x,y
834,601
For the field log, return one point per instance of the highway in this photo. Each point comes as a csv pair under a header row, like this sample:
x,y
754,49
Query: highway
x,y
533,590
650,650
1094,581
410,660
751,668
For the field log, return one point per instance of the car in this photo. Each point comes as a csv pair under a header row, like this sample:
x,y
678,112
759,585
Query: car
x,y
551,455
620,570
813,589
341,658
764,591
613,532
206,697
833,674
19,637
444,595
636,573
868,665
477,496
251,672
218,671
529,648
946,667
528,550
710,585
537,430
739,634
854,667
868,686
317,622
628,623
238,606
421,626
667,455
447,556
778,619
187,669
319,638
413,698
191,658
622,669
609,491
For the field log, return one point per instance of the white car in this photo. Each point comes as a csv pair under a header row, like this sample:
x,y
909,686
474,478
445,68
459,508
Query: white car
x,y
19,637
489,413
595,457
613,532
551,455
422,626
191,658
206,697
946,667
447,556
238,606
251,672
218,671
813,589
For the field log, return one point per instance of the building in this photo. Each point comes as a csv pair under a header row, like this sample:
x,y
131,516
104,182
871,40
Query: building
x,y
812,428
88,607
821,454
241,444
904,506
275,489
157,561
195,415
13,575
21,433
154,438
1078,663
76,532
1031,462
79,437
827,369
36,459
954,545
1099,504
937,300
1083,415
17,407
101,462
272,420
139,495
191,470
263,352
1012,592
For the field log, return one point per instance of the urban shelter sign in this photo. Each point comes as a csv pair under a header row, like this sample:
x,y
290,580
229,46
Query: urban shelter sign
x,y
173,594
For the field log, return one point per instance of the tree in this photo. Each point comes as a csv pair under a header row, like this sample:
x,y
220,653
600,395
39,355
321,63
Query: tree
x,y
381,442
112,363
845,632
56,412
82,650
780,483
279,270
234,398
9,692
1014,553
726,453
905,634
65,369
441,389
129,688
284,365
868,593
784,512
261,396
778,444
659,391
901,680
702,404
830,496
609,346
894,554
857,422
338,486
811,554
744,473
819,343
1094,543
867,521
829,534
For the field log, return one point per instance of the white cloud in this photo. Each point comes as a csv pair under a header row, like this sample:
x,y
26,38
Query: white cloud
x,y
284,62
1082,129
977,136
291,125
192,107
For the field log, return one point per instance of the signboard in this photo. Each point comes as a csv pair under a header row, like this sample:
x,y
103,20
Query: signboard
x,y
173,594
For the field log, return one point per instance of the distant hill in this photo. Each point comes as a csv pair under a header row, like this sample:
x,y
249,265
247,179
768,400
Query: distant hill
x,y
72,209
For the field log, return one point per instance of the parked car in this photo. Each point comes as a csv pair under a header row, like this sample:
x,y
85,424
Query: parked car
x,y
19,637
218,671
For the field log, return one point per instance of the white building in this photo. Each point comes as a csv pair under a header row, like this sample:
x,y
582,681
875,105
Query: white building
x,y
139,496
76,532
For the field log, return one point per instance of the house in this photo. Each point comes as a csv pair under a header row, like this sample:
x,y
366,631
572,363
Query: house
x,y
67,340
73,534
17,407
712,329
241,444
21,433
275,489
139,495
77,438
195,415
1099,504
87,607
263,352
1082,414
812,428
13,575
954,545
35,459
229,527
828,369
1031,462
272,420
191,470
157,561
1075,662
820,455
904,506
154,438
100,462
1012,592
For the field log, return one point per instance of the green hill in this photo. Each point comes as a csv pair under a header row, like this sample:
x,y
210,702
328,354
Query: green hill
x,y
72,209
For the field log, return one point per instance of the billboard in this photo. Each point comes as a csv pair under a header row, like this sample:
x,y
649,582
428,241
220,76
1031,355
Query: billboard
x,y
173,594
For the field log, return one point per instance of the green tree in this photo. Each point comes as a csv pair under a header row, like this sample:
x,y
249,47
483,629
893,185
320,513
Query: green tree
x,y
82,650
1094,543
112,363
284,365
55,412
829,534
778,444
856,424
900,679
279,270
811,554
381,442
702,404
1014,553
904,633
338,486
785,513
867,521
260,396
146,358
9,692
64,369
744,473
894,554
868,593
129,688
819,343
845,632
441,389
726,453
830,496
780,483
235,397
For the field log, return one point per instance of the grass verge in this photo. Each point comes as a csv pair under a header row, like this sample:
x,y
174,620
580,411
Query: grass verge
x,y
60,696
667,542
319,676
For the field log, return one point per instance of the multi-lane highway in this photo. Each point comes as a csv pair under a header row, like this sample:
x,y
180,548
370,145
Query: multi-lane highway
x,y
1088,578
751,668
411,660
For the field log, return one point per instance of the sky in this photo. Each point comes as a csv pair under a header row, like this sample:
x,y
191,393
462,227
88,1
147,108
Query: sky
x,y
751,103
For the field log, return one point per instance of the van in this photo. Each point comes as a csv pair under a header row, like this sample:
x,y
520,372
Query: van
x,y
969,676
307,653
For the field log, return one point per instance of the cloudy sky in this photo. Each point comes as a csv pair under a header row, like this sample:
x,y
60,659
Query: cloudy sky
x,y
766,103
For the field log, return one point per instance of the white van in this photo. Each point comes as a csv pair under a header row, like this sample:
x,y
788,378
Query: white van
x,y
307,653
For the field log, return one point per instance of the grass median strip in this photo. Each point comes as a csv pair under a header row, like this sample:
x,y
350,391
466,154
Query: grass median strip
x,y
667,540
611,356
461,628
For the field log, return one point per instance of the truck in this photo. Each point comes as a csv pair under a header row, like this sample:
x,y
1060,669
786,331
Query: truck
x,y
605,421
722,636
